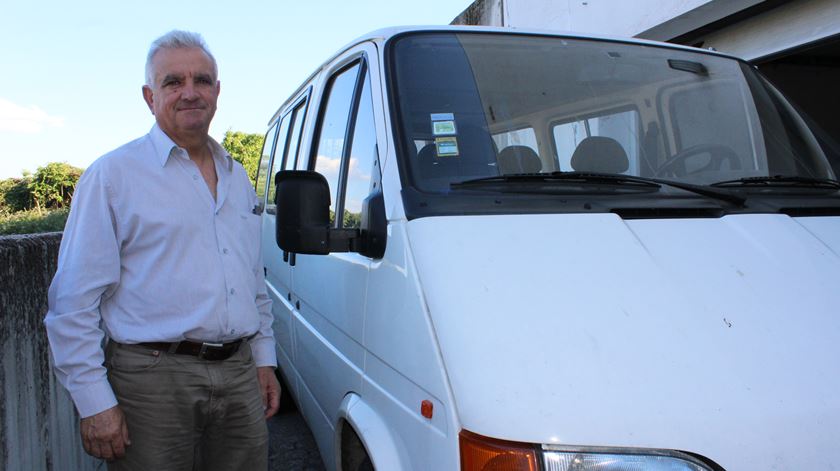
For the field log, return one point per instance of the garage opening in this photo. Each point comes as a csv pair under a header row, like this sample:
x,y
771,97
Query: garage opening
x,y
810,77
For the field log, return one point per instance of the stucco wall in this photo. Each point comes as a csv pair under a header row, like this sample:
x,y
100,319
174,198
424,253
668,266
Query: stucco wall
x,y
38,424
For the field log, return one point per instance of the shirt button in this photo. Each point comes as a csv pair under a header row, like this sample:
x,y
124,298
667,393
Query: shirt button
x,y
232,331
232,291
225,251
195,177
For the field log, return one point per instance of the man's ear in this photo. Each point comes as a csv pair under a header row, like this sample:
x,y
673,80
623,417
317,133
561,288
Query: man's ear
x,y
148,96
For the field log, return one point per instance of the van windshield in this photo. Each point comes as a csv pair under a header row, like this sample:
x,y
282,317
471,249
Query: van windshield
x,y
474,106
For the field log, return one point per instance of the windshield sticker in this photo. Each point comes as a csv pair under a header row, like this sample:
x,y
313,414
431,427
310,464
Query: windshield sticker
x,y
443,124
446,146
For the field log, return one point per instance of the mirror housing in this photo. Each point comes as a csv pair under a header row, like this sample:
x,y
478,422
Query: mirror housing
x,y
374,230
303,216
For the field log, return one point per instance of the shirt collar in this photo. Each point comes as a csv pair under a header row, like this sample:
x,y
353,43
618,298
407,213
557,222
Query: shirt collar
x,y
165,147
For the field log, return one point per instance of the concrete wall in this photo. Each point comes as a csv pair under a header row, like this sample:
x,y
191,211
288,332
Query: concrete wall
x,y
649,19
39,428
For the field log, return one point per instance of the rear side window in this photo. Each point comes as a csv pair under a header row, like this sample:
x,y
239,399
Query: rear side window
x,y
294,138
279,151
265,160
287,146
519,137
333,129
623,126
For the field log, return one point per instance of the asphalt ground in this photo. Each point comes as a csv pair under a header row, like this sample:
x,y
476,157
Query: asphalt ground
x,y
291,445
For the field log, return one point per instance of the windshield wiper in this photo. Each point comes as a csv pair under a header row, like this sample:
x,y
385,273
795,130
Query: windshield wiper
x,y
780,181
595,178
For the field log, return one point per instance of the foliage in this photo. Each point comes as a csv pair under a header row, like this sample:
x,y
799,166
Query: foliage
x,y
53,184
245,148
352,219
15,194
33,221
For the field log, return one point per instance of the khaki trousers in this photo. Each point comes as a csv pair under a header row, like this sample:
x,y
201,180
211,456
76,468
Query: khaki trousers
x,y
188,414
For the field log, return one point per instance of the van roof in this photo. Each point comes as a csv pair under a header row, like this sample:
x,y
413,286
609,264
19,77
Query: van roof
x,y
384,34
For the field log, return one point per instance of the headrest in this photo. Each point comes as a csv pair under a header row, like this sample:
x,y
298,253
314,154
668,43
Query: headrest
x,y
519,159
600,154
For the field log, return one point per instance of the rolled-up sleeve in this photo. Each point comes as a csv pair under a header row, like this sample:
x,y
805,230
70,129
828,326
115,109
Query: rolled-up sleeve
x,y
88,268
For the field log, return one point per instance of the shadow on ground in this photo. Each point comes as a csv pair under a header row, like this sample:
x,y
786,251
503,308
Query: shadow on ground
x,y
291,445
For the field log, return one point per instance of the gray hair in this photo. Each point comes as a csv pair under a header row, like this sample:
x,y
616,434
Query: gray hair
x,y
176,39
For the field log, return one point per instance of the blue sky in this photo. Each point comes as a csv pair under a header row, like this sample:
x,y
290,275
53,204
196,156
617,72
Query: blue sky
x,y
72,71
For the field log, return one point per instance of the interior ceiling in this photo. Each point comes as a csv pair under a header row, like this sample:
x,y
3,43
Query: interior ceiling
x,y
538,74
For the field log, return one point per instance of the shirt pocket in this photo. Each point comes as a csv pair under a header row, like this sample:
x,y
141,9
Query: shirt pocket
x,y
253,234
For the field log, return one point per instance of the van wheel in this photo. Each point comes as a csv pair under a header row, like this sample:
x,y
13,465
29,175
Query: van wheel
x,y
366,465
354,457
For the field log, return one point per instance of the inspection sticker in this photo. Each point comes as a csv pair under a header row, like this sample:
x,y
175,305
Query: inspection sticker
x,y
446,146
443,124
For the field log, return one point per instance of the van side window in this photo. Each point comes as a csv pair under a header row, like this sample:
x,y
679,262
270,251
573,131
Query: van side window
x,y
518,137
277,161
622,126
265,160
361,171
294,137
333,129
287,146
713,112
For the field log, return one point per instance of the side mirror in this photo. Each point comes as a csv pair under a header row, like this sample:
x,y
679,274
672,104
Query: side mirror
x,y
303,215
374,230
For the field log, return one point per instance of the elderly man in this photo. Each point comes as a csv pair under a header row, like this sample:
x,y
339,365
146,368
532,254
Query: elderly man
x,y
161,255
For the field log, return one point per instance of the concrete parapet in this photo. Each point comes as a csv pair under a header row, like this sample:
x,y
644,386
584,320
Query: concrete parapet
x,y
39,428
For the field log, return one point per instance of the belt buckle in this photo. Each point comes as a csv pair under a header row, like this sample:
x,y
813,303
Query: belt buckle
x,y
205,345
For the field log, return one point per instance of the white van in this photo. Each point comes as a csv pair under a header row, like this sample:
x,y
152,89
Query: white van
x,y
554,252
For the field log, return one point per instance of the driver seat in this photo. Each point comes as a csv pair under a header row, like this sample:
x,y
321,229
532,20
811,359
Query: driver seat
x,y
599,154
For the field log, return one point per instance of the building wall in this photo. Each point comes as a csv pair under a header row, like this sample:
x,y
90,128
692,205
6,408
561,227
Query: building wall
x,y
782,27
608,17
39,428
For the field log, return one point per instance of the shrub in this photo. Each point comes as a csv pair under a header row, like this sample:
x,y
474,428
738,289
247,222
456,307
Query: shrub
x,y
244,148
52,185
33,221
15,194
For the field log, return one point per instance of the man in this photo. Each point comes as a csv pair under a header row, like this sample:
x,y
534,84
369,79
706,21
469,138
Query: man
x,y
161,255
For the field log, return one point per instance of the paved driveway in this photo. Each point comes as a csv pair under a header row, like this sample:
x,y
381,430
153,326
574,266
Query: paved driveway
x,y
291,446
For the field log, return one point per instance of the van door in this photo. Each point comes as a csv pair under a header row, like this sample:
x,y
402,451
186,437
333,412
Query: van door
x,y
330,290
278,271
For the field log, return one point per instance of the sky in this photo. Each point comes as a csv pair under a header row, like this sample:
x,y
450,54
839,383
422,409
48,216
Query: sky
x,y
71,72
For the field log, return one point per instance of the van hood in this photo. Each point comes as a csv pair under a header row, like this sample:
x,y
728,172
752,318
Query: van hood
x,y
713,336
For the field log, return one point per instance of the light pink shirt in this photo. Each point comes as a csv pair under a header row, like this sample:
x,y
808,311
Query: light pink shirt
x,y
148,256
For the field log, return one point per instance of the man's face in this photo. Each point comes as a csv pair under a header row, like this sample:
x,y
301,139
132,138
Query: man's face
x,y
184,91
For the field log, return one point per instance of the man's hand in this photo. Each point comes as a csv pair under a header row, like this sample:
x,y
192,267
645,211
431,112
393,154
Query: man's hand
x,y
105,435
270,389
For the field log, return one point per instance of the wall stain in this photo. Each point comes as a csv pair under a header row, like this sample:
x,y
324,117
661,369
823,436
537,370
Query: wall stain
x,y
39,428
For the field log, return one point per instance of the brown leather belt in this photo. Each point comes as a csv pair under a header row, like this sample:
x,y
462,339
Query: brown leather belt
x,y
205,350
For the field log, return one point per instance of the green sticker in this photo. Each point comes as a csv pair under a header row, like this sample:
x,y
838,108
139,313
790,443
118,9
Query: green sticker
x,y
443,128
446,146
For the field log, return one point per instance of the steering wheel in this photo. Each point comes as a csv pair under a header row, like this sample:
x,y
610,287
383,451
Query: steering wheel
x,y
675,165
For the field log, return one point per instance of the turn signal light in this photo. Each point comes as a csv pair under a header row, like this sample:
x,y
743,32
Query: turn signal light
x,y
480,453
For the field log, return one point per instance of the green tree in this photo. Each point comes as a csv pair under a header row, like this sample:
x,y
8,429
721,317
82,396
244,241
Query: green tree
x,y
245,148
52,185
15,195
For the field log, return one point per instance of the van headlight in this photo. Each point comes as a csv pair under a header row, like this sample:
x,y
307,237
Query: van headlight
x,y
479,453
565,459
